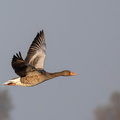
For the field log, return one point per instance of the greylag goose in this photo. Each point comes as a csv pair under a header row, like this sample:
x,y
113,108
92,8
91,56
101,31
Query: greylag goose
x,y
30,70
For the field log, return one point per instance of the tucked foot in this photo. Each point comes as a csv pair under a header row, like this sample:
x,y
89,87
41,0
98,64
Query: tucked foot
x,y
10,84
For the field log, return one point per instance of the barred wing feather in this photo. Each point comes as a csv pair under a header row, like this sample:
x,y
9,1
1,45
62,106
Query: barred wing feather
x,y
36,53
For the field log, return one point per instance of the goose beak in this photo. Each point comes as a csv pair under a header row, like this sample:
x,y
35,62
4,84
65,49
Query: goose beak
x,y
71,73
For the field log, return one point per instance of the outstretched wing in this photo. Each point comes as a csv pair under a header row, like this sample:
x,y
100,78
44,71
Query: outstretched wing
x,y
20,66
36,53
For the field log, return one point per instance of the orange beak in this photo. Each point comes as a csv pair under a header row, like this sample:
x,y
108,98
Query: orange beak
x,y
71,73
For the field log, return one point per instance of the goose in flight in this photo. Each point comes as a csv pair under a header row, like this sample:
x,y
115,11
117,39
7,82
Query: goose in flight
x,y
30,71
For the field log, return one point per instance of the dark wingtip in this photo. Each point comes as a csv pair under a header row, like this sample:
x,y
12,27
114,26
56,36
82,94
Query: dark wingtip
x,y
18,56
42,33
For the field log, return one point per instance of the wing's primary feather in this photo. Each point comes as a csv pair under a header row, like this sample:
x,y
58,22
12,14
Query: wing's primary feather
x,y
36,53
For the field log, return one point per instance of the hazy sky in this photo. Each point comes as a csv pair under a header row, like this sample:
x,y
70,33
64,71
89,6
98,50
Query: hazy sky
x,y
82,36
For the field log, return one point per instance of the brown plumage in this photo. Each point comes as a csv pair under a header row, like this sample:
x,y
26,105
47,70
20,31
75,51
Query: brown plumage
x,y
30,70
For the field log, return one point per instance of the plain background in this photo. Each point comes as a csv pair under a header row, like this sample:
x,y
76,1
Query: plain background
x,y
82,36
